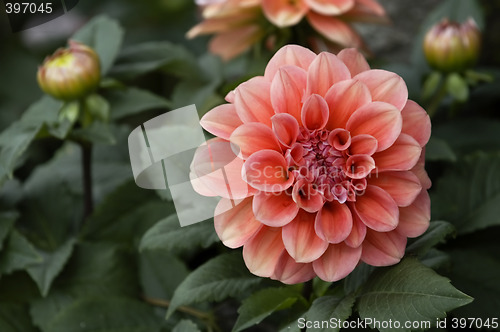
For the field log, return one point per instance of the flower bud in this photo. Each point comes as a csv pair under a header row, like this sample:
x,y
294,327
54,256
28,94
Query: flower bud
x,y
452,47
70,73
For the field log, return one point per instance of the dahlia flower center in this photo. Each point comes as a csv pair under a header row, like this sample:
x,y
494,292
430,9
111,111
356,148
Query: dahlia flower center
x,y
323,165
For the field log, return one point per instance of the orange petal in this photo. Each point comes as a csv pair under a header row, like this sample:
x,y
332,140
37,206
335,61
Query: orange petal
x,y
230,44
359,166
221,24
383,249
380,120
377,209
266,170
221,121
253,101
354,60
402,186
274,209
252,137
306,196
333,222
367,11
284,13
385,86
401,156
263,251
343,99
325,71
290,272
287,90
314,114
358,232
416,122
340,139
330,7
236,225
337,262
334,30
293,55
414,219
285,128
419,171
300,239
363,144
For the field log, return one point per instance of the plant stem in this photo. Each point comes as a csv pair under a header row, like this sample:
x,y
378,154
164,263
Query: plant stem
x,y
88,203
436,100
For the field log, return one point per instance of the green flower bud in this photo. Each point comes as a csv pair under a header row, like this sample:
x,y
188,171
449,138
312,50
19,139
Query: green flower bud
x,y
452,47
70,73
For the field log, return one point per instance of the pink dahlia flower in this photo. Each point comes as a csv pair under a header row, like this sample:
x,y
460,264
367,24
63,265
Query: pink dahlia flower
x,y
329,169
238,24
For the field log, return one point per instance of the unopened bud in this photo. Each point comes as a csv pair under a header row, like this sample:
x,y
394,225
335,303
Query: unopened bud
x,y
452,47
70,73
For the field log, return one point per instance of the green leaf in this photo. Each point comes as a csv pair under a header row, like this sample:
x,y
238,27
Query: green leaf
x,y
439,150
219,278
97,107
332,309
7,220
186,326
320,286
15,318
469,194
97,133
111,314
53,262
358,277
437,233
431,84
435,259
105,36
18,254
131,101
457,87
167,234
262,304
406,292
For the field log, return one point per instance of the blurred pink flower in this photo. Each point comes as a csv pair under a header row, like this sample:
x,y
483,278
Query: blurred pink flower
x,y
238,24
330,168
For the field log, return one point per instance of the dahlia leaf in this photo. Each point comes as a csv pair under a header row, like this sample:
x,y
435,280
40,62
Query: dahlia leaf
x,y
435,259
167,234
7,220
478,207
262,304
437,233
332,309
221,277
408,292
14,318
438,150
105,36
131,101
357,277
186,326
18,254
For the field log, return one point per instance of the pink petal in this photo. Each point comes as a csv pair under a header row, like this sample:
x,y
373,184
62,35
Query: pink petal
x,y
334,30
294,55
337,262
235,225
216,167
402,186
343,99
380,120
416,122
358,232
414,219
314,113
385,86
274,209
253,101
290,272
363,144
354,60
221,121
266,170
377,209
263,251
340,139
359,166
285,128
287,89
419,171
383,249
367,11
401,156
221,24
323,72
230,97
306,196
230,44
284,13
300,239
253,137
333,222
330,7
